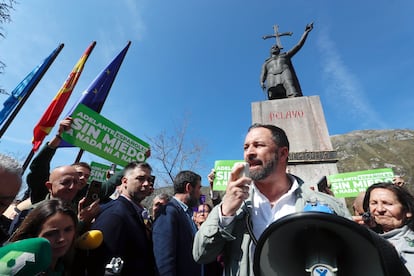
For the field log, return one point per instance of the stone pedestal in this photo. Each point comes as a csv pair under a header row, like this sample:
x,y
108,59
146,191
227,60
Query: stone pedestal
x,y
311,153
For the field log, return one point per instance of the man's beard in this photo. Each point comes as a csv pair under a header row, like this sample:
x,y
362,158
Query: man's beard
x,y
137,197
192,201
265,171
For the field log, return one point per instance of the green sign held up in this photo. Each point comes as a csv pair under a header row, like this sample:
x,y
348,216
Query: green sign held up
x,y
99,171
94,133
352,183
222,170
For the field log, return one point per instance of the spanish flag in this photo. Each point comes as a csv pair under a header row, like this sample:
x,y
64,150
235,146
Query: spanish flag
x,y
52,113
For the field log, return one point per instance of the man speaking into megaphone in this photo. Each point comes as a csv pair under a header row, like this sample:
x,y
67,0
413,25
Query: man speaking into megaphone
x,y
253,202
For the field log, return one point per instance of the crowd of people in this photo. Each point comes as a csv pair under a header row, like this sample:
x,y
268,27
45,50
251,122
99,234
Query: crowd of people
x,y
181,235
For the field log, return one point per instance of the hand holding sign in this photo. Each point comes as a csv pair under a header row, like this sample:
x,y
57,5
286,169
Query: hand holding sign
x,y
92,132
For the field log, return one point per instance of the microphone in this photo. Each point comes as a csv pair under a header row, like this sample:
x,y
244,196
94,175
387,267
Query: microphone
x,y
25,257
90,240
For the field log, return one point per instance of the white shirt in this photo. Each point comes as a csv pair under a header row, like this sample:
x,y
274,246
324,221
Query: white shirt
x,y
263,214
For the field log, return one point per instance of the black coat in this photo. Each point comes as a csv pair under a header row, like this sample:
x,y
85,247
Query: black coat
x,y
125,236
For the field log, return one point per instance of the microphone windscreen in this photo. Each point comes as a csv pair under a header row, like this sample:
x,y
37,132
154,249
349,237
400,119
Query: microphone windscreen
x,y
25,257
90,240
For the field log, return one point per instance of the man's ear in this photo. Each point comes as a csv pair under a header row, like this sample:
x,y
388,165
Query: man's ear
x,y
188,188
284,152
48,186
124,181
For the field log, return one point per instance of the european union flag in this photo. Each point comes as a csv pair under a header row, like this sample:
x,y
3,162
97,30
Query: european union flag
x,y
27,85
95,95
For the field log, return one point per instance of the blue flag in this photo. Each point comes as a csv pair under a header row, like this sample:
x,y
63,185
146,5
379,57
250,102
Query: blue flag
x,y
95,95
27,85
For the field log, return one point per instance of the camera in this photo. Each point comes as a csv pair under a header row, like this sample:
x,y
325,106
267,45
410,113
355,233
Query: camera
x,y
366,217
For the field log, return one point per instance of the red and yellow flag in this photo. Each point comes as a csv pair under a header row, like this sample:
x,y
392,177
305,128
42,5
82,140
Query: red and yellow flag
x,y
52,113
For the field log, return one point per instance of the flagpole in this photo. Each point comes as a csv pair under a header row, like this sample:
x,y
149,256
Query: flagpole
x,y
27,161
80,153
29,92
55,108
48,121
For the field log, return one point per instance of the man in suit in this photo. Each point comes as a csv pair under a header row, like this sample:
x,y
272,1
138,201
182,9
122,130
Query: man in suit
x,y
121,223
174,229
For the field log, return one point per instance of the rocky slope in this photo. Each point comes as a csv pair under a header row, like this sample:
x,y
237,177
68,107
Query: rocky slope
x,y
372,149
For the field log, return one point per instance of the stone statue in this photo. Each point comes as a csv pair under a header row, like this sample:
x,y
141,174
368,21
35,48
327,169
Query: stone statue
x,y
278,76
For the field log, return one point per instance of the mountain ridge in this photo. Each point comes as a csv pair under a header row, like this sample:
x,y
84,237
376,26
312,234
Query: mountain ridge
x,y
372,149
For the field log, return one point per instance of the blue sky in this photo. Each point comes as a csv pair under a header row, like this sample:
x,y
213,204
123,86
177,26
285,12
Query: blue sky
x,y
200,61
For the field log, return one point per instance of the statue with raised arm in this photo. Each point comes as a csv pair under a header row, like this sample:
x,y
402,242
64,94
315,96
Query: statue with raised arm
x,y
278,77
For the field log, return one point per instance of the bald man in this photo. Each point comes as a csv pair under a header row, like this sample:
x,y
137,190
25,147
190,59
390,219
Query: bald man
x,y
63,183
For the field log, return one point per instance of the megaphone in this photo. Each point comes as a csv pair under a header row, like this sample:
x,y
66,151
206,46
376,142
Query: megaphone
x,y
25,257
315,243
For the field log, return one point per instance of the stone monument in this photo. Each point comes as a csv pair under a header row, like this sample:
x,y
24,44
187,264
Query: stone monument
x,y
278,76
311,157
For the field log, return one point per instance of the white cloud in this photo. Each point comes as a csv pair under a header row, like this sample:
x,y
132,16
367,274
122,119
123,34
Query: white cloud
x,y
136,22
343,88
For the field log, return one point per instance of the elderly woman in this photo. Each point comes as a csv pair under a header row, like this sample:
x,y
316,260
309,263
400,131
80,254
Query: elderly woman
x,y
391,208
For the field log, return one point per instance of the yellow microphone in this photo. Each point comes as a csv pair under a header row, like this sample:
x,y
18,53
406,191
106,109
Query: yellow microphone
x,y
90,240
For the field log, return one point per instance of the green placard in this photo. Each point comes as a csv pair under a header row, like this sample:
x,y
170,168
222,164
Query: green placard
x,y
222,170
94,133
352,183
98,171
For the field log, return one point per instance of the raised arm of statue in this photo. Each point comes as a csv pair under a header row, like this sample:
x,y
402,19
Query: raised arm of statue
x,y
301,42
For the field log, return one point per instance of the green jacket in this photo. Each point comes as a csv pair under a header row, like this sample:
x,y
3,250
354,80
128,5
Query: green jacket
x,y
233,241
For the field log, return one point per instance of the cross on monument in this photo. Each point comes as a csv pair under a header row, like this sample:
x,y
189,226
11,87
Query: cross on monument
x,y
277,36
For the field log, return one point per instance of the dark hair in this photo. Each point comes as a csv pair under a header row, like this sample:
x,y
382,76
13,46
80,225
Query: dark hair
x,y
278,134
162,196
184,177
32,224
208,205
403,195
136,164
83,165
